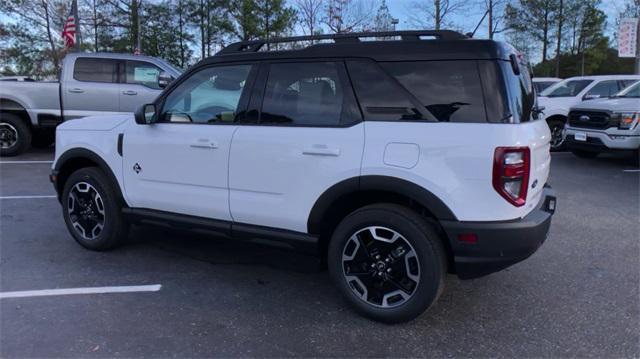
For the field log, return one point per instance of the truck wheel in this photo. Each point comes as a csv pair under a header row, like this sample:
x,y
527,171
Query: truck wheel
x,y
43,138
585,154
92,210
557,139
388,262
15,135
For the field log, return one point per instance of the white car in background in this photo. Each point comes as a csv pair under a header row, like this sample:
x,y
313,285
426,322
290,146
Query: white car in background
x,y
556,100
605,125
542,83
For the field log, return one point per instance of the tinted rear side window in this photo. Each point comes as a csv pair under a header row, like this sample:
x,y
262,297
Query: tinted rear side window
x,y
381,98
95,70
450,90
307,94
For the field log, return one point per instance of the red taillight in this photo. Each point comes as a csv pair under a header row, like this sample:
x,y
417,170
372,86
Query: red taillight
x,y
511,173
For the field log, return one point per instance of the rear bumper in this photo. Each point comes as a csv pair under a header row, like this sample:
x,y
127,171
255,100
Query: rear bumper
x,y
499,244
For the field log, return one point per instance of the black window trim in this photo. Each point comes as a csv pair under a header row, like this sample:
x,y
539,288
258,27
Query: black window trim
x,y
117,67
254,111
243,103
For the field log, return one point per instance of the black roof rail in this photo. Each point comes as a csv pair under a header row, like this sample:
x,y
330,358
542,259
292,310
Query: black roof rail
x,y
412,35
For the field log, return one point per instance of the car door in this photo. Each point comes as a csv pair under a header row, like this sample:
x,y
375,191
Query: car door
x,y
139,84
180,163
307,136
92,89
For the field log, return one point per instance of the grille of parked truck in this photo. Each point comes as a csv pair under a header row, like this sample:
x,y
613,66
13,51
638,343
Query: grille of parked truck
x,y
89,84
397,157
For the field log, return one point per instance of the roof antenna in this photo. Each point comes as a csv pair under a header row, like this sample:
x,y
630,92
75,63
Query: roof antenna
x,y
470,34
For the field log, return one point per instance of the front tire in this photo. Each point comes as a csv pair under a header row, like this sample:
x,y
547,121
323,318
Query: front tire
x,y
15,135
92,210
585,154
557,137
388,262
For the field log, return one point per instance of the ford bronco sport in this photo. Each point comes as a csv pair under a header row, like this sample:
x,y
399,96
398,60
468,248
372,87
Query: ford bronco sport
x,y
398,157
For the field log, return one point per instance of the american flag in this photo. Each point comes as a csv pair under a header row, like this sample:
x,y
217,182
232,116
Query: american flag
x,y
69,30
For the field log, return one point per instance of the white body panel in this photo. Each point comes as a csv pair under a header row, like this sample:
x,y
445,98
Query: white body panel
x,y
276,174
456,161
272,176
183,168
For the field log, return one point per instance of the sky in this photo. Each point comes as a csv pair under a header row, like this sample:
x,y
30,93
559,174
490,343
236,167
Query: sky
x,y
470,18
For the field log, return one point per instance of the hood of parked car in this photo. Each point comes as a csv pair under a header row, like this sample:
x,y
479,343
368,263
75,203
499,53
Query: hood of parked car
x,y
556,105
616,104
95,123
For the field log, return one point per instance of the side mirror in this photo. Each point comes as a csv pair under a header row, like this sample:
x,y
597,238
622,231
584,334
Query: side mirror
x,y
164,79
590,97
146,114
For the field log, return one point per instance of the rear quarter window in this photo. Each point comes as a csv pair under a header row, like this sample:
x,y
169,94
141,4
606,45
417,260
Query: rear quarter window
x,y
450,90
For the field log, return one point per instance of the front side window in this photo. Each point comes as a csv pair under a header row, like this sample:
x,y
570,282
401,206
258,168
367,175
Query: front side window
x,y
604,89
631,92
450,90
567,89
306,94
142,73
89,69
208,96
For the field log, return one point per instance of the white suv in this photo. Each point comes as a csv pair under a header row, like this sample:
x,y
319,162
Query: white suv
x,y
397,160
556,100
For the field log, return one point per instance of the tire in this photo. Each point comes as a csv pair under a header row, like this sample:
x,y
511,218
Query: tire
x,y
557,139
420,266
15,135
43,138
585,154
82,186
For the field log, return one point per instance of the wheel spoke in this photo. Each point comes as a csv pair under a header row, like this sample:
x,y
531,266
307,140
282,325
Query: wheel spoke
x,y
86,210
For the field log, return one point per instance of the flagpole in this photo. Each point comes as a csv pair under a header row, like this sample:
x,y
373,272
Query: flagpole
x,y
76,46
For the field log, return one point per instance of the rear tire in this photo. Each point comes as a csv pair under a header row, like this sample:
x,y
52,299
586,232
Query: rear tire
x,y
585,154
92,210
15,135
388,262
43,138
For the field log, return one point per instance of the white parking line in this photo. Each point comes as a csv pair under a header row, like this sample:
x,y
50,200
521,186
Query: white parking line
x,y
28,197
16,162
638,170
88,290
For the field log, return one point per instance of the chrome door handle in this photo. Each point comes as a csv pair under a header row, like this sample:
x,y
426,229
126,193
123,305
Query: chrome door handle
x,y
203,143
76,90
129,92
321,150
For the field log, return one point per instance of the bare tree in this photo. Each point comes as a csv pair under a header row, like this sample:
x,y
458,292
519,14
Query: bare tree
x,y
347,15
434,13
309,15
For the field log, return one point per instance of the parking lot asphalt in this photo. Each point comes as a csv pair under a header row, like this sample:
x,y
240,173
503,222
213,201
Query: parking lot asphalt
x,y
578,296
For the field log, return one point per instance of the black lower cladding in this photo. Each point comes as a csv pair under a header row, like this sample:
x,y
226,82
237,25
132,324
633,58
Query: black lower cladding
x,y
500,244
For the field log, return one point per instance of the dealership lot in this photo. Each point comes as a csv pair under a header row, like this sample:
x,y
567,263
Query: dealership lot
x,y
577,296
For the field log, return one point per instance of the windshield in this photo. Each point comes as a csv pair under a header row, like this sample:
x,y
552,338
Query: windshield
x,y
632,91
570,88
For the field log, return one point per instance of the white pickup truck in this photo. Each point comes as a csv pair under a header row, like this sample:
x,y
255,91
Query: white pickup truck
x,y
90,84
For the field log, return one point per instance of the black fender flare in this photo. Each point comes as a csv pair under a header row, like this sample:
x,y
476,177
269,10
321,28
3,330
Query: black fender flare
x,y
377,183
83,153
